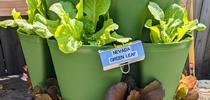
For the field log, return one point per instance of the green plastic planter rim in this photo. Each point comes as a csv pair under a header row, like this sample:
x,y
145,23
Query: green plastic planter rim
x,y
169,46
31,37
51,41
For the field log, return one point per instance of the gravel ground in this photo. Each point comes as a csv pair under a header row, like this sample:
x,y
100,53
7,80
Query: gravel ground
x,y
13,88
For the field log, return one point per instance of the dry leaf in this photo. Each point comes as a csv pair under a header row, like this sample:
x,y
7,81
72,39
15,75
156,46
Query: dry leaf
x,y
182,91
37,90
43,97
190,81
192,96
186,83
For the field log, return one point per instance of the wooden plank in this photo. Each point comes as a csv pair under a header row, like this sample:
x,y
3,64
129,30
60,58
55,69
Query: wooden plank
x,y
13,4
7,5
192,47
2,65
201,38
205,71
7,12
189,4
197,8
183,3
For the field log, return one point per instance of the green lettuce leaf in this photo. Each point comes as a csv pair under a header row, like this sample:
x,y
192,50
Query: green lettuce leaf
x,y
24,26
73,26
48,25
154,32
89,27
34,7
66,42
173,26
50,14
185,17
181,33
8,23
69,33
31,9
156,11
200,27
80,10
16,15
105,35
40,7
41,30
174,11
95,8
69,8
57,8
120,38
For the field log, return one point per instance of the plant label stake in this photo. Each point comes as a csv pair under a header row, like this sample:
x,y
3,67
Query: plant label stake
x,y
119,57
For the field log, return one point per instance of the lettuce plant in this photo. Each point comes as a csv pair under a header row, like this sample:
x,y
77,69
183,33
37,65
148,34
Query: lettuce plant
x,y
171,25
72,25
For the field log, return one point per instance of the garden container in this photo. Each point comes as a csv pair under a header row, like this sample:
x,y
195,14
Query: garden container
x,y
131,15
38,59
164,62
80,75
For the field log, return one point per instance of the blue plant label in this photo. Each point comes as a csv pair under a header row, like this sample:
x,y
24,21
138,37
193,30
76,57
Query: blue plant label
x,y
117,57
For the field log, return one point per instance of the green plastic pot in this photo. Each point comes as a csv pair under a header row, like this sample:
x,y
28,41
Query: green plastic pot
x,y
38,59
131,15
164,62
80,75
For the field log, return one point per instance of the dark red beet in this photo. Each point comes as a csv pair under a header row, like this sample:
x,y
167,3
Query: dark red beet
x,y
116,91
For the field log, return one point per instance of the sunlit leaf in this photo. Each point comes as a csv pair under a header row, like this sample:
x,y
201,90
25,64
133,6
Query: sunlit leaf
x,y
8,23
156,11
105,35
80,10
94,8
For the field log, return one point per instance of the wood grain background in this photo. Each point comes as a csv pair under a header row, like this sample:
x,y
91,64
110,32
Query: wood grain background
x,y
202,43
6,7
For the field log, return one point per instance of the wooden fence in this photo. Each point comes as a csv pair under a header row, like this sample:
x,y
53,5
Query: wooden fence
x,y
202,43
